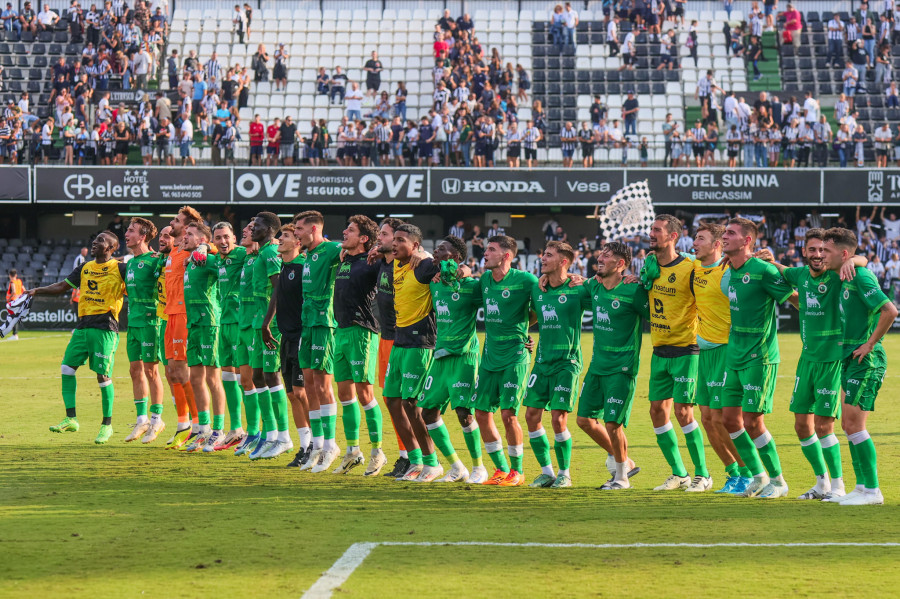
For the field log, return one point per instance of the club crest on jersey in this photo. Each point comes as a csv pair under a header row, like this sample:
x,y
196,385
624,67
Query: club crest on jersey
x,y
141,265
228,261
745,279
672,278
455,297
615,304
846,294
823,288
291,276
315,257
505,294
562,299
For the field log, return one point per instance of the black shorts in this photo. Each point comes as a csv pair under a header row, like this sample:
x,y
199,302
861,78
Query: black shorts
x,y
732,153
384,148
698,149
290,364
122,148
880,152
373,84
587,150
513,151
340,152
530,154
628,58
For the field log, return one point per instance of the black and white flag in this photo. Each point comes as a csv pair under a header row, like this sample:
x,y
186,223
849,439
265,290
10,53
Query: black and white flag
x,y
629,212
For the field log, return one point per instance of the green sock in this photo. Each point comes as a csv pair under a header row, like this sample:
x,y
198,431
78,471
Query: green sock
x,y
563,449
218,422
156,408
251,405
748,452
857,466
264,397
430,459
441,437
140,406
541,447
233,396
812,449
668,443
69,385
107,394
733,470
350,417
515,461
415,456
831,450
372,412
868,462
745,472
280,407
694,442
768,453
497,456
203,417
329,420
315,423
473,443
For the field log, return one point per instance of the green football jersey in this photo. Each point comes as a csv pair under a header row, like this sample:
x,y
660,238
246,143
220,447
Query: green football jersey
x,y
141,276
455,312
560,312
318,284
266,265
861,301
820,313
230,267
201,292
246,299
617,315
752,291
506,308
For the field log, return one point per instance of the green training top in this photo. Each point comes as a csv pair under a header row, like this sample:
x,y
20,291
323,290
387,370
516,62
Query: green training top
x,y
141,285
560,311
820,313
455,312
617,315
861,302
266,265
752,291
230,267
318,284
506,307
201,292
247,301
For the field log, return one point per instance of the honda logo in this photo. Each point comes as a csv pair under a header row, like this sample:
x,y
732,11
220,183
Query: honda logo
x,y
450,186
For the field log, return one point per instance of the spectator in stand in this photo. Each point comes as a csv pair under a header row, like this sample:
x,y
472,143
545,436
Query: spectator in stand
x,y
273,131
322,82
260,64
10,18
186,139
337,84
877,268
793,24
570,21
373,68
237,24
279,72
28,19
257,138
892,96
883,66
835,31
286,138
354,100
47,19
459,229
860,60
754,55
557,24
850,77
630,109
859,139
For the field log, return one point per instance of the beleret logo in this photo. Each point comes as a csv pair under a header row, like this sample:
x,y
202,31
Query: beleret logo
x,y
81,186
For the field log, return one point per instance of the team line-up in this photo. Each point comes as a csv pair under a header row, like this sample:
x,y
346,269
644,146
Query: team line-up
x,y
205,303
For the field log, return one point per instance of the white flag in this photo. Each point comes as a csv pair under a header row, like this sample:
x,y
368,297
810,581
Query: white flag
x,y
629,212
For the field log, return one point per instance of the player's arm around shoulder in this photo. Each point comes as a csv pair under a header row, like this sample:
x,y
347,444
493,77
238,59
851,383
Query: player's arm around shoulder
x,y
780,288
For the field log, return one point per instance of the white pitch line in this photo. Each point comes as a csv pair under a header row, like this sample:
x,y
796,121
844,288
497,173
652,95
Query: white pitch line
x,y
341,570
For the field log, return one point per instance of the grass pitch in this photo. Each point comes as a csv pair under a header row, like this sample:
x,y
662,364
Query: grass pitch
x,y
79,520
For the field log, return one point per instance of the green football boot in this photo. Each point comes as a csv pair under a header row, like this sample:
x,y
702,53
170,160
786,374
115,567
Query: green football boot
x,y
68,425
106,431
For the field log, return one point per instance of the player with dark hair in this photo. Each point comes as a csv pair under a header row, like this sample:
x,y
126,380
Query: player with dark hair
x,y
247,336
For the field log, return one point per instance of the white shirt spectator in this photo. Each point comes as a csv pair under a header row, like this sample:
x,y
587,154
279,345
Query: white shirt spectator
x,y
811,106
892,269
187,130
141,63
78,261
628,45
46,17
354,99
892,229
612,32
570,18
877,269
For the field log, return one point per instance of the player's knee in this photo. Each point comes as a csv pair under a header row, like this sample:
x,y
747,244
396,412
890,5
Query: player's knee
x,y
430,416
584,423
464,416
102,378
135,369
824,428
509,418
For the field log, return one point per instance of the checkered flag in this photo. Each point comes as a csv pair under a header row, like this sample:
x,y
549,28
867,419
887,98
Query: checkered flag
x,y
629,212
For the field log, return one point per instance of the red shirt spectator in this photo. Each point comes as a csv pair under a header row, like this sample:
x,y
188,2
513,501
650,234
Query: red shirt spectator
x,y
271,132
792,20
440,46
257,133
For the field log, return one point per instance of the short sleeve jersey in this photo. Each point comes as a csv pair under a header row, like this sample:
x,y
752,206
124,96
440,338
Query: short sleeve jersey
x,y
318,284
560,311
201,292
247,310
752,291
354,293
673,309
266,265
160,270
820,313
861,300
384,297
230,267
102,287
289,300
140,284
506,307
617,315
713,314
412,305
455,311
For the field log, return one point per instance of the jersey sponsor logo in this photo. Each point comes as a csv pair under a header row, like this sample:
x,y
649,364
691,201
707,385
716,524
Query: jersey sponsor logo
x,y
615,400
684,379
658,305
825,391
92,285
603,316
749,387
510,386
562,389
441,308
130,276
866,294
549,313
492,307
812,302
732,295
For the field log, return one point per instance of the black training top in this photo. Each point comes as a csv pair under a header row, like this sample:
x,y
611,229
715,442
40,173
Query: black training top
x,y
385,300
354,293
289,299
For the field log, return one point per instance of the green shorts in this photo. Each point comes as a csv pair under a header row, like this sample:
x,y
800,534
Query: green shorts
x,y
244,348
861,382
263,356
161,347
229,340
142,344
751,389
406,372
674,378
501,389
94,346
451,380
203,346
711,377
608,397
317,349
355,355
552,387
817,389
